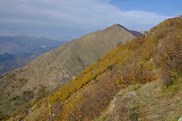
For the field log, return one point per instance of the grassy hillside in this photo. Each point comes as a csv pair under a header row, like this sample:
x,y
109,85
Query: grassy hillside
x,y
147,102
132,82
48,72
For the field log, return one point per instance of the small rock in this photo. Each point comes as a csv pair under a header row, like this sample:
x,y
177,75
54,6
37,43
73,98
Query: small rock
x,y
132,94
180,119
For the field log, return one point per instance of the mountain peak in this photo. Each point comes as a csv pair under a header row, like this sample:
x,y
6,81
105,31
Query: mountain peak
x,y
118,25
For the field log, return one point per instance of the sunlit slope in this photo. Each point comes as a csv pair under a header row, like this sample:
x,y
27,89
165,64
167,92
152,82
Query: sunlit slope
x,y
25,86
153,57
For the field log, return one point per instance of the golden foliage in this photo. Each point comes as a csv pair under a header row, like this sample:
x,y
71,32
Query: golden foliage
x,y
85,97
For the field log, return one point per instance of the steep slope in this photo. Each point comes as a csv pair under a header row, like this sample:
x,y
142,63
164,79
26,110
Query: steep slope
x,y
50,71
152,64
22,49
147,102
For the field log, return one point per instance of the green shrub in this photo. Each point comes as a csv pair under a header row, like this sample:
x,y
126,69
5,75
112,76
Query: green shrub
x,y
134,115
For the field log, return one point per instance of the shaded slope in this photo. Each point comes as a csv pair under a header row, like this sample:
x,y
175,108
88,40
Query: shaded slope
x,y
51,70
140,61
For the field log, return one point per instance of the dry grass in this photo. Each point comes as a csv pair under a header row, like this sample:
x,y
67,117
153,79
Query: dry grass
x,y
90,94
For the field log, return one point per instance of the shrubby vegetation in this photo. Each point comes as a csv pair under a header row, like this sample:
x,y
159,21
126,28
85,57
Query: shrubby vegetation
x,y
169,54
156,55
132,63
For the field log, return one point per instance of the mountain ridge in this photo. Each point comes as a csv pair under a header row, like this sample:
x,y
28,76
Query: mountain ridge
x,y
135,33
148,67
51,70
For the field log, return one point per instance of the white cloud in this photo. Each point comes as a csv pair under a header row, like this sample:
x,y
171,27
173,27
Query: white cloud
x,y
71,18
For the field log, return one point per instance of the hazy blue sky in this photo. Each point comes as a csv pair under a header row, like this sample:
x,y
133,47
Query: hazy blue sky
x,y
162,7
67,19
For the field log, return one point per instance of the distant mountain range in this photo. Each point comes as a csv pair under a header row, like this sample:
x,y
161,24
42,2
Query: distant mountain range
x,y
20,50
51,70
